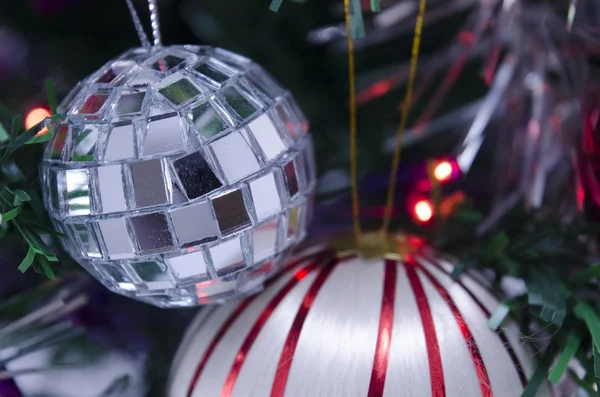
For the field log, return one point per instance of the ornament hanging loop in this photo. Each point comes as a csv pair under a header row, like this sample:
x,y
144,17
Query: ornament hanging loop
x,y
154,23
138,25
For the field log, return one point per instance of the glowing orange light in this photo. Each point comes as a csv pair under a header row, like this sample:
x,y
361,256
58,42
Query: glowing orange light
x,y
36,116
423,210
443,171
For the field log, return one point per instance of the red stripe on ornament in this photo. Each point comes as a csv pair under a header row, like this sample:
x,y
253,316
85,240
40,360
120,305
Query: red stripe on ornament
x,y
436,371
231,319
289,348
482,375
505,342
384,337
240,358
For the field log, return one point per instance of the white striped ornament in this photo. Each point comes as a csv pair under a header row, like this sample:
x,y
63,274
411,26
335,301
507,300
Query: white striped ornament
x,y
350,327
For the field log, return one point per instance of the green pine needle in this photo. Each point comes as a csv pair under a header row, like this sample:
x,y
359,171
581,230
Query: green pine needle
x,y
27,261
569,350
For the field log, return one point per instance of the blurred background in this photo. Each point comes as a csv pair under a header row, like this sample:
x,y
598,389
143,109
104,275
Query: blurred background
x,y
499,84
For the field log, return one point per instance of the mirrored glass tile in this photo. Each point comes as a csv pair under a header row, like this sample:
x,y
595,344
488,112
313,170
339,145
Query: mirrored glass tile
x,y
209,290
130,103
293,224
231,212
213,73
265,196
110,186
187,266
206,120
266,135
85,141
167,63
121,143
54,186
113,73
264,82
165,135
116,238
78,192
93,105
149,183
264,240
195,175
238,102
297,115
235,157
85,236
153,274
152,233
194,224
59,143
227,256
180,91
291,178
287,120
116,275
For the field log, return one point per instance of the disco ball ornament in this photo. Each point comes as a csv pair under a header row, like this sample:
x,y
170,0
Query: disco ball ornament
x,y
348,327
180,175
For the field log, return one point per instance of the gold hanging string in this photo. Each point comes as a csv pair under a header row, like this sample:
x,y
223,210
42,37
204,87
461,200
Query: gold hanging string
x,y
405,107
353,155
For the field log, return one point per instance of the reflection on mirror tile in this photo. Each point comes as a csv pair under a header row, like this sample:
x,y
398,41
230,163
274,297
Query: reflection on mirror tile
x,y
149,183
231,212
116,275
238,102
291,178
234,146
211,74
116,238
293,222
195,175
265,196
206,120
165,135
121,143
287,119
53,186
267,136
59,142
153,274
208,290
84,147
130,103
180,91
152,233
78,194
110,185
93,104
188,265
87,240
194,224
264,240
114,71
227,256
168,63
